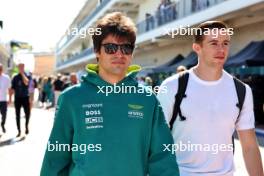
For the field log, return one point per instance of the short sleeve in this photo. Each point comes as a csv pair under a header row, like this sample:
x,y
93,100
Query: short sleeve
x,y
247,120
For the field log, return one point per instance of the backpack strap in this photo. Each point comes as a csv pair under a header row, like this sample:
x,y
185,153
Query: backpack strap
x,y
241,93
182,85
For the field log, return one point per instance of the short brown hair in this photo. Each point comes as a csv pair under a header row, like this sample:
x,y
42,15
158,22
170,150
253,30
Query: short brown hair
x,y
199,36
116,24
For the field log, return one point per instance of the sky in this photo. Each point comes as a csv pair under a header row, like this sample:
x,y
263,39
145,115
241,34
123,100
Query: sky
x,y
41,23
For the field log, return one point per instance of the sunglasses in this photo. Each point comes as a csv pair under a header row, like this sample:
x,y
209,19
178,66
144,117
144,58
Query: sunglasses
x,y
111,48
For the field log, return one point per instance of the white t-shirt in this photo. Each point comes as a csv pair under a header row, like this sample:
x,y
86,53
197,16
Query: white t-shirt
x,y
5,84
210,111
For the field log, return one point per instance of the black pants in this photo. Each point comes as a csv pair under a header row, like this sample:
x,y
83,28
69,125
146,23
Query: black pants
x,y
43,97
3,111
22,102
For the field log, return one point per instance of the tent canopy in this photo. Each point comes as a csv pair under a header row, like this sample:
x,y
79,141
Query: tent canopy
x,y
165,67
251,55
189,61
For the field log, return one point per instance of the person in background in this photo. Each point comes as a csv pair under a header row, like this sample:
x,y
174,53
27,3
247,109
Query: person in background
x,y
47,88
5,85
65,81
73,81
148,81
141,80
31,89
20,84
40,83
181,68
43,93
150,21
57,88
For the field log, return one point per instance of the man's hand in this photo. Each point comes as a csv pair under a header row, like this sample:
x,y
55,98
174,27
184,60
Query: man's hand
x,y
24,78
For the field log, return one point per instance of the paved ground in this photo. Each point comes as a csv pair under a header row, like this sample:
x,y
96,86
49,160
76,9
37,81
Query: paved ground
x,y
23,156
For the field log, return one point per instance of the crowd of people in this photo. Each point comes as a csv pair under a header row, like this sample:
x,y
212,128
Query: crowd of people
x,y
155,79
198,5
49,88
168,11
21,90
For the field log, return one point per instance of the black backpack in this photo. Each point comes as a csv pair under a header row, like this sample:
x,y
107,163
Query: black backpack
x,y
182,85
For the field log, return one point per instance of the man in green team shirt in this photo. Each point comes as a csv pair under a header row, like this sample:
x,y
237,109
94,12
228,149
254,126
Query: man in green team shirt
x,y
121,134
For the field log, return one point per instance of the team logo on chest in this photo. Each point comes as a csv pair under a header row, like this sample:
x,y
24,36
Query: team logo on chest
x,y
135,111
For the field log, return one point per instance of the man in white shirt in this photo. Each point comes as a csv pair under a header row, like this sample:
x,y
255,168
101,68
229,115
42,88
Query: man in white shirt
x,y
5,85
203,139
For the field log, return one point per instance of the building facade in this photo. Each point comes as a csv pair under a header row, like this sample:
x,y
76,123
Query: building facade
x,y
156,23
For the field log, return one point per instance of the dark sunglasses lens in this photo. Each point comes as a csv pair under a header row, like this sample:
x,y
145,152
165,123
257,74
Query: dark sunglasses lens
x,y
110,48
127,49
